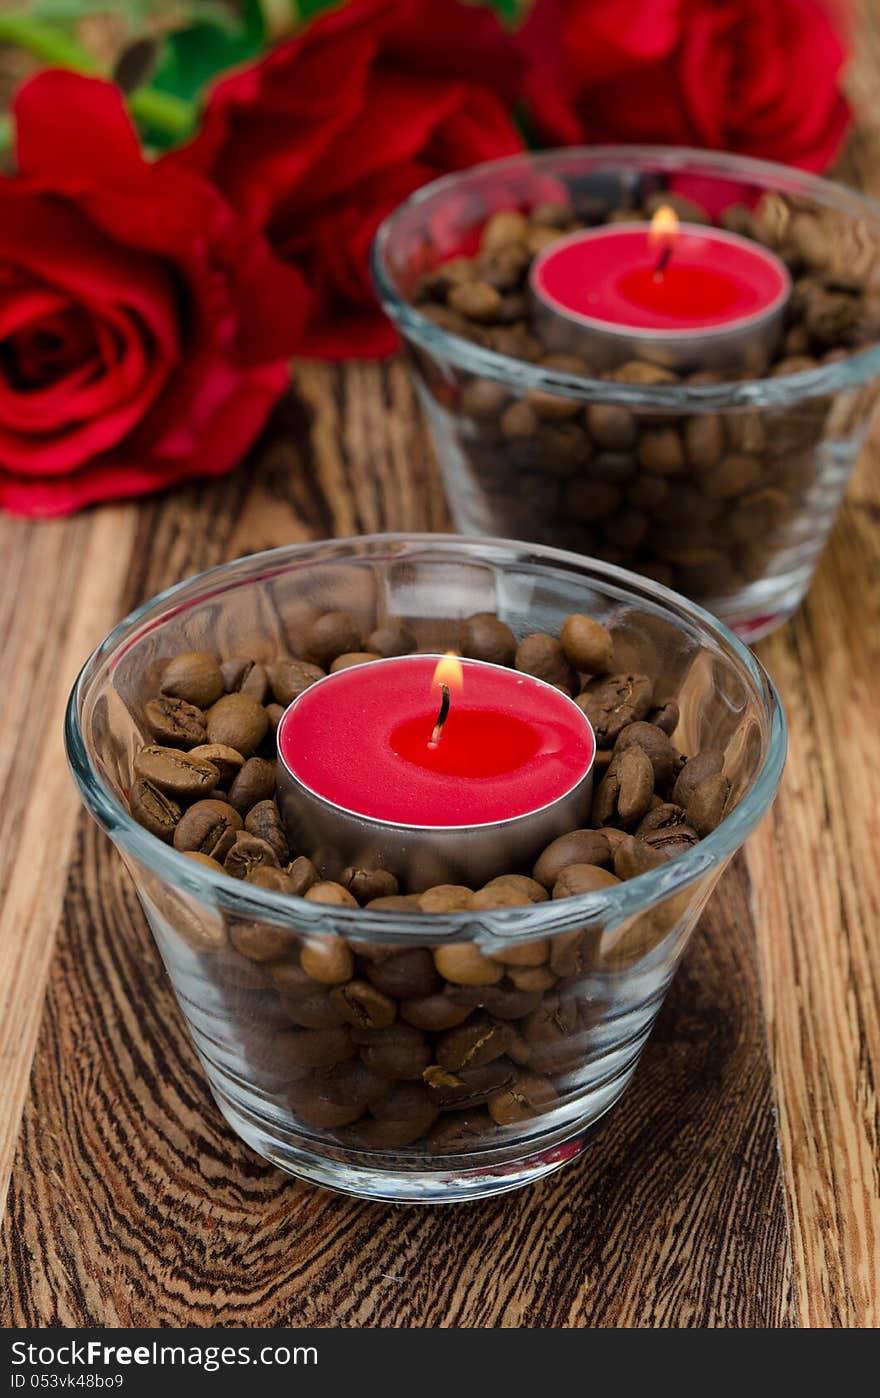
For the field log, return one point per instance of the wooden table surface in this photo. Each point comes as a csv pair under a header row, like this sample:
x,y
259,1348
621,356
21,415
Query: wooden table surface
x,y
737,1184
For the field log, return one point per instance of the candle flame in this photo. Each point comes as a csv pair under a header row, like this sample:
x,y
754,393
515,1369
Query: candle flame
x,y
664,226
449,672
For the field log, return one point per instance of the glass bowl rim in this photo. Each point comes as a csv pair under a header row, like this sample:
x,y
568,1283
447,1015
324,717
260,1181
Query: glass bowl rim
x,y
607,907
523,376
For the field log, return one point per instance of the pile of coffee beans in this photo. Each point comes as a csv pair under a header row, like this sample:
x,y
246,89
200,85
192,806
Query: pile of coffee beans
x,y
439,1043
703,502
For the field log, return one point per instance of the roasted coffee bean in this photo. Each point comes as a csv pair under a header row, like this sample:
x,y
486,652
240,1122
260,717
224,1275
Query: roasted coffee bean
x,y
501,229
225,759
476,300
303,875
242,676
552,407
632,857
534,891
175,722
662,817
641,371
259,941
400,1051
635,776
247,853
352,658
647,493
660,451
155,810
577,847
614,838
484,636
238,722
264,821
705,809
500,1001
458,1133
470,1086
652,741
289,678
672,841
176,773
483,398
434,1012
396,903
588,500
351,1082
209,827
519,421
368,884
703,440
407,976
363,1005
587,644
312,1011
330,635
267,876
473,1044
391,639
531,977
462,964
327,959
570,954
527,1096
537,239
319,1111
329,892
583,878
253,785
696,770
317,1048
520,952
553,1022
605,797
542,656
488,898
611,426
398,1119
612,703
666,718
195,676
205,859
445,898
733,474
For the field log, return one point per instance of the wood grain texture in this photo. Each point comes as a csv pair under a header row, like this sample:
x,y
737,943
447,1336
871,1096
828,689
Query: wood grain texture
x,y
736,1183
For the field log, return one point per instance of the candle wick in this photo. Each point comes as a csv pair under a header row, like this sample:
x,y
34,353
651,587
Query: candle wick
x,y
662,262
441,717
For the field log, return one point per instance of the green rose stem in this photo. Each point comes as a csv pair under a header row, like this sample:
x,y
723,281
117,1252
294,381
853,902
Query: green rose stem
x,y
162,111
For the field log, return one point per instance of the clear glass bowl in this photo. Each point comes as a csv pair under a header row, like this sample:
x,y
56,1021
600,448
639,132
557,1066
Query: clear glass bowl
x,y
725,490
607,957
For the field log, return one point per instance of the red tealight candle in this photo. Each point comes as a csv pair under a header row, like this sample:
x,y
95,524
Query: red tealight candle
x,y
441,771
678,294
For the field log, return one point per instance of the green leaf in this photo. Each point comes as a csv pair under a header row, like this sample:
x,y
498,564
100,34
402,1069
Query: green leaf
x,y
192,56
304,10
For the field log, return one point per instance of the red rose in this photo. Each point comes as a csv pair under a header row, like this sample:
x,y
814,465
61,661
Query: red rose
x,y
323,137
143,329
755,76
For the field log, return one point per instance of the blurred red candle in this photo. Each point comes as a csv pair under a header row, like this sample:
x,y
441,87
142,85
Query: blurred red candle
x,y
676,293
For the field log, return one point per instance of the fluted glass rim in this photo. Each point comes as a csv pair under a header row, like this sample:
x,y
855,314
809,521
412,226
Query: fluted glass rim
x,y
607,907
521,376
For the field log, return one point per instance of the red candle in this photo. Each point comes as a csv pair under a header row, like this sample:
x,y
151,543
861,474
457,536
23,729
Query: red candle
x,y
696,292
448,772
362,741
